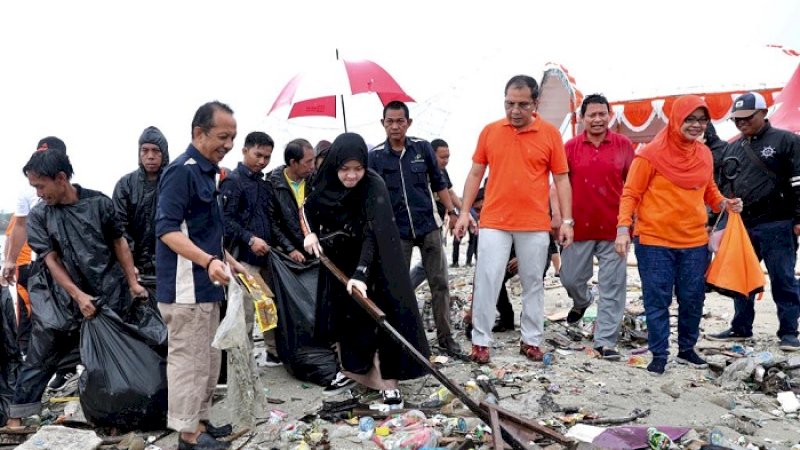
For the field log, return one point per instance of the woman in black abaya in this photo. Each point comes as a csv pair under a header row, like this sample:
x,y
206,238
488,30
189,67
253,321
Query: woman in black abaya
x,y
348,216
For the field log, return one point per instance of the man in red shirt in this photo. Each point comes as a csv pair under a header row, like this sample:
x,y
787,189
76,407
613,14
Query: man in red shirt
x,y
522,150
598,160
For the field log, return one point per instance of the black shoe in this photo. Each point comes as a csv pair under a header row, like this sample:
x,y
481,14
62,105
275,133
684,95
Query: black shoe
x,y
503,326
60,379
575,314
657,366
468,331
339,384
451,348
691,358
204,442
217,432
454,265
728,335
609,354
790,343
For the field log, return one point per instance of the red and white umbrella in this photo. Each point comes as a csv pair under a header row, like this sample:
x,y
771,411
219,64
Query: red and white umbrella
x,y
314,93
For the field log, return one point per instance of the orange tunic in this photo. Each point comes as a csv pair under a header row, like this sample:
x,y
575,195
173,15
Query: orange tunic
x,y
666,215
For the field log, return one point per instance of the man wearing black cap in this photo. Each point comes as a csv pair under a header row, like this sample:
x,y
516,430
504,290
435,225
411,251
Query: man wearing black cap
x,y
135,197
763,168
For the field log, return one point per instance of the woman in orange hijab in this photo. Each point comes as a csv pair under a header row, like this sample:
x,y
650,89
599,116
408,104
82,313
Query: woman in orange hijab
x,y
669,183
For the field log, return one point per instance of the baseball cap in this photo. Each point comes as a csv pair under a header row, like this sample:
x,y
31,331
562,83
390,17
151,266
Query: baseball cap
x,y
51,142
746,105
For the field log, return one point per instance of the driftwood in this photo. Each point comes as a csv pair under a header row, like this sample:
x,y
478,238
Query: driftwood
x,y
635,414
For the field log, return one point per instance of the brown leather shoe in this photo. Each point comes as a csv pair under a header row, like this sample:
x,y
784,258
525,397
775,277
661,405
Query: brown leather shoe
x,y
480,354
531,352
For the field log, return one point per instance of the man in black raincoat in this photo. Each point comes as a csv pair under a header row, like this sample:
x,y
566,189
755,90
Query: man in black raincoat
x,y
83,261
135,198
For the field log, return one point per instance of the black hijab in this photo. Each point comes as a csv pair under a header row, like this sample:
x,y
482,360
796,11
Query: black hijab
x,y
327,190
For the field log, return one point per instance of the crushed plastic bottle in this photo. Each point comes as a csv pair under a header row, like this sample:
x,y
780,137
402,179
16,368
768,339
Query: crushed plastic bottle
x,y
657,439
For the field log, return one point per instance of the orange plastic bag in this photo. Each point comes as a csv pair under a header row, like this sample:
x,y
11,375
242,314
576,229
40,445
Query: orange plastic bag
x,y
735,268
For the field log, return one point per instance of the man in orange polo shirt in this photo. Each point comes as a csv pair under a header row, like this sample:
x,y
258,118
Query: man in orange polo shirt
x,y
522,150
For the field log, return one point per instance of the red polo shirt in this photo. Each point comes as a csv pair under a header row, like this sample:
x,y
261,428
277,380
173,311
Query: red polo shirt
x,y
597,175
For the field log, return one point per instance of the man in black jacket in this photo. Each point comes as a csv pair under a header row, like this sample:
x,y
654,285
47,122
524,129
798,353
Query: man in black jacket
x,y
763,168
288,193
245,199
135,198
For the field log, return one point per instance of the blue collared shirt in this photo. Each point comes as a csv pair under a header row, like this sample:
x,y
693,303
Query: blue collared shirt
x,y
188,202
411,180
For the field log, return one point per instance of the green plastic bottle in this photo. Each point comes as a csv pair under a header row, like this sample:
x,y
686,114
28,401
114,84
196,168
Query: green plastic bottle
x,y
657,439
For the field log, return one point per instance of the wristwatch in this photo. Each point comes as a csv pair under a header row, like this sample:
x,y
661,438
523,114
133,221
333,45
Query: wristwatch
x,y
570,222
453,212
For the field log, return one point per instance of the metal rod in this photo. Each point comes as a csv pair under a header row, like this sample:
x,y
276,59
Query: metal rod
x,y
380,317
344,114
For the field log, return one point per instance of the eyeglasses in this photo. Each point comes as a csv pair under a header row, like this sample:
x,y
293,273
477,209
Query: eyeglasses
x,y
390,122
524,106
744,119
691,120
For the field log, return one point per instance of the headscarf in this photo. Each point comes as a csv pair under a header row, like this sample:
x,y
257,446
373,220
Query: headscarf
x,y
326,189
686,163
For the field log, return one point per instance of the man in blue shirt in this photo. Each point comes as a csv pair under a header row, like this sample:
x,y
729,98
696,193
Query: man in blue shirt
x,y
409,168
190,274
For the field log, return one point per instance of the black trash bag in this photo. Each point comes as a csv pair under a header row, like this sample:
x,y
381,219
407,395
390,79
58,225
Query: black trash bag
x,y
295,289
151,326
10,357
54,309
124,383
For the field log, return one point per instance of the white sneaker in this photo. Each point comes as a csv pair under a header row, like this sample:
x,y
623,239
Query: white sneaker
x,y
393,398
339,384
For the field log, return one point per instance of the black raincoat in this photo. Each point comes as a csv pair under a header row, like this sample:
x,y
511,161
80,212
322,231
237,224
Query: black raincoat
x,y
135,201
357,232
82,234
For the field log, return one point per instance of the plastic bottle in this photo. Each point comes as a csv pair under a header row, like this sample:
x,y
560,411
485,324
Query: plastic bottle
x,y
716,437
657,439
366,423
548,359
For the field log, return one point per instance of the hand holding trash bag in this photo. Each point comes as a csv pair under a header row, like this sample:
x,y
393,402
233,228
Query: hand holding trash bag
x,y
732,205
311,244
138,291
86,304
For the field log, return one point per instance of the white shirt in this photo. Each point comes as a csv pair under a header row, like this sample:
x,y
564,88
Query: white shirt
x,y
26,201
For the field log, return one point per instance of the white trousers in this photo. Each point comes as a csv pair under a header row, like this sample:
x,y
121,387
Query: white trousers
x,y
494,248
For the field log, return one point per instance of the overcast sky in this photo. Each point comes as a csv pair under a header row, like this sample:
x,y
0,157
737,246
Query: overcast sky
x,y
97,73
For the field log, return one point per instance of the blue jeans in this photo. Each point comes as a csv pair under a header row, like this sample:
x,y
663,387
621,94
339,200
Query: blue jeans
x,y
776,244
665,270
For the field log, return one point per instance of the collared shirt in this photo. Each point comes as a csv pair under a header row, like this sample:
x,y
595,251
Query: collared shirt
x,y
520,162
188,203
411,176
245,200
298,188
597,176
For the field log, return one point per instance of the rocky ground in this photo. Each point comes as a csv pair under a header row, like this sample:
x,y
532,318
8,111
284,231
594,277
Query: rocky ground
x,y
574,390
